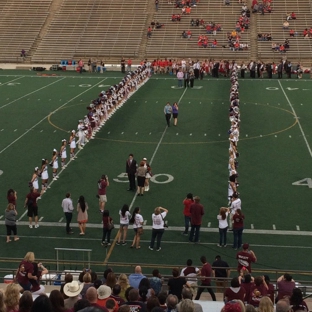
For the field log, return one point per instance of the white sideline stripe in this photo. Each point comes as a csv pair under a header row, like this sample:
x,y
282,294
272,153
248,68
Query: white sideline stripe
x,y
156,149
49,185
31,93
299,124
2,84
176,229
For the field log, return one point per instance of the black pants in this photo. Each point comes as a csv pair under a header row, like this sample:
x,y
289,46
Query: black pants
x,y
106,235
186,83
242,73
68,216
156,234
131,178
196,73
10,229
191,83
168,117
200,291
279,75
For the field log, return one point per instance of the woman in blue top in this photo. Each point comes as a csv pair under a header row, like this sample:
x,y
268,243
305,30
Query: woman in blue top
x,y
175,112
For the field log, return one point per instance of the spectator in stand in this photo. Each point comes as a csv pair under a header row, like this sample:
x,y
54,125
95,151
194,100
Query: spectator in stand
x,y
297,302
245,258
149,32
265,305
156,282
293,16
221,271
189,34
205,273
214,43
292,33
134,303
156,5
188,10
136,277
187,294
190,272
285,286
285,25
171,303
184,34
227,2
258,291
283,306
176,284
271,289
235,292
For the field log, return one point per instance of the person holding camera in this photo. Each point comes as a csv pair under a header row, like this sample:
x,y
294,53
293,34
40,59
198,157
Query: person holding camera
x,y
102,184
245,258
158,227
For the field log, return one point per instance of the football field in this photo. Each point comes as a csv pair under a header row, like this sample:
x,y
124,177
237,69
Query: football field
x,y
37,112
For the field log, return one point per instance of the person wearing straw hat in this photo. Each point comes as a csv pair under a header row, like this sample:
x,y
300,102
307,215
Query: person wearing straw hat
x,y
72,291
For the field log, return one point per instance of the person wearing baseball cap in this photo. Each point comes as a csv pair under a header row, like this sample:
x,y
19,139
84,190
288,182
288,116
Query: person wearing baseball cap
x,y
245,257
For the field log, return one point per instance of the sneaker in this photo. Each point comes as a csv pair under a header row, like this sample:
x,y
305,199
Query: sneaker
x,y
219,245
30,226
159,249
150,248
184,233
36,226
108,244
224,245
118,243
124,244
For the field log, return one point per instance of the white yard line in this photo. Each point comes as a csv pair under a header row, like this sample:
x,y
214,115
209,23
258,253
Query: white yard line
x,y
31,93
156,149
2,84
299,124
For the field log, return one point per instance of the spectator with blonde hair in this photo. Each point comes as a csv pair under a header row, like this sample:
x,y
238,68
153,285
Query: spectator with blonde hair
x,y
265,305
187,305
124,284
25,270
12,297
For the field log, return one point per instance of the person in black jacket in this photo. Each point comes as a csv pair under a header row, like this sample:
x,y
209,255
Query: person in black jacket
x,y
131,166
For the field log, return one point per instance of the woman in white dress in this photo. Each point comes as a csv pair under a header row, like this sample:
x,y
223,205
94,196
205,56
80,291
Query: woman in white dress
x,y
54,163
72,143
63,153
44,174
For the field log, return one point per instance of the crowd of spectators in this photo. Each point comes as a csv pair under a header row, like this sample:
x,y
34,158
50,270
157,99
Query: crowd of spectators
x,y
261,7
151,292
264,37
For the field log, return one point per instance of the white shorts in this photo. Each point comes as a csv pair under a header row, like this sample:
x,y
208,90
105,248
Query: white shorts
x,y
103,199
73,144
35,185
45,176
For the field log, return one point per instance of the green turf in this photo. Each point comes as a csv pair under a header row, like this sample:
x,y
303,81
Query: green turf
x,y
195,154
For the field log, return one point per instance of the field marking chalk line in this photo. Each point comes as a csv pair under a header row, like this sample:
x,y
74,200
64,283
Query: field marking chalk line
x,y
299,124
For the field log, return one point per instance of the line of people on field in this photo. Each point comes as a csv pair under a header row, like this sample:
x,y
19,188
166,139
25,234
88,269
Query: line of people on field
x,y
99,111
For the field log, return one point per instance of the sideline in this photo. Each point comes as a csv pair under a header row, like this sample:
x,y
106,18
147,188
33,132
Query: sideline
x,y
299,124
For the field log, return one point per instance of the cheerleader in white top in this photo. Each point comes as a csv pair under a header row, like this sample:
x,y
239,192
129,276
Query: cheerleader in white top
x,y
72,144
81,134
54,164
35,180
44,174
63,153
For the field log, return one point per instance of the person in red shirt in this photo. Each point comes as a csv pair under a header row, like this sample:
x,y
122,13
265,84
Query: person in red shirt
x,y
245,258
12,197
187,202
258,291
102,184
205,273
236,291
197,212
31,203
238,228
129,63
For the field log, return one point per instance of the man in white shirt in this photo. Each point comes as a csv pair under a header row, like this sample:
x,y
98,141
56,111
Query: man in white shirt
x,y
67,205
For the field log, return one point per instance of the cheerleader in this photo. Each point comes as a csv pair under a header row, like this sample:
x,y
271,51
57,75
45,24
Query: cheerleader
x,y
34,180
44,174
81,134
72,144
148,174
63,153
54,164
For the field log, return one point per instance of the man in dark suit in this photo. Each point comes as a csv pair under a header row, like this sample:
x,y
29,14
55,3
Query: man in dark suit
x,y
131,166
